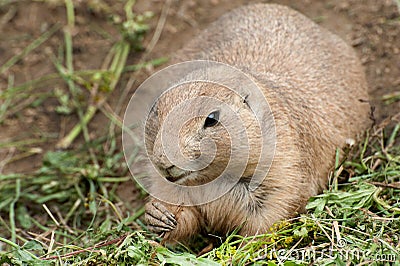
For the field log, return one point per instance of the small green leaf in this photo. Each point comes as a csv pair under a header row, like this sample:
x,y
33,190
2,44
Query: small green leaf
x,y
32,245
303,232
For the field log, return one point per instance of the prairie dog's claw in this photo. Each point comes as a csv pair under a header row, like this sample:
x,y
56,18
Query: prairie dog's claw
x,y
159,218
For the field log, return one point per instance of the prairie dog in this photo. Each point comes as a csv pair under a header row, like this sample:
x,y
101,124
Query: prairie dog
x,y
317,93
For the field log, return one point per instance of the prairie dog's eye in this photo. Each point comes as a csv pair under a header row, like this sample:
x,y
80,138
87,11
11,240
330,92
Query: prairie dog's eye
x,y
212,119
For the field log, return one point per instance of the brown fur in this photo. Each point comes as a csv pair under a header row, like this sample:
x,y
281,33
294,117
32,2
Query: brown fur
x,y
317,92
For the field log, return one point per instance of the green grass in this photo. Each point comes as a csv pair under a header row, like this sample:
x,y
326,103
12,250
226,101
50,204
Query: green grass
x,y
68,212
356,220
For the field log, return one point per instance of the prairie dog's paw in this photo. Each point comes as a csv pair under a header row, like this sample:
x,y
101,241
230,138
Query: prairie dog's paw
x,y
159,218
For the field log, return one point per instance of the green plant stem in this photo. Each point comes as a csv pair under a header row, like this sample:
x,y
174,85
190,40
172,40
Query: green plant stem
x,y
12,210
67,140
70,69
67,36
118,63
154,63
11,243
138,213
393,135
116,68
7,102
73,209
21,143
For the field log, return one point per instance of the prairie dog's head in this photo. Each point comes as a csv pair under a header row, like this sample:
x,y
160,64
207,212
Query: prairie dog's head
x,y
196,129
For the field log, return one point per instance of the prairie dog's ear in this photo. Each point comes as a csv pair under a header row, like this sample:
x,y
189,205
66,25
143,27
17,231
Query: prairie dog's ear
x,y
154,110
246,100
239,100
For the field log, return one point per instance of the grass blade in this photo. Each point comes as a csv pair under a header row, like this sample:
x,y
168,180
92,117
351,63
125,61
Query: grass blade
x,y
36,43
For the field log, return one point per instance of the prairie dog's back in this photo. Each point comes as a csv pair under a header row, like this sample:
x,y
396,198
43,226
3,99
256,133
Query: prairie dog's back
x,y
270,38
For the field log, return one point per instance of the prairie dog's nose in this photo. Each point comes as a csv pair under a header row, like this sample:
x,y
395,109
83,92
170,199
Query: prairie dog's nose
x,y
175,173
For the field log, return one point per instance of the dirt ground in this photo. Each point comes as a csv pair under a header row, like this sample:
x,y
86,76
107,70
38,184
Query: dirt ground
x,y
371,26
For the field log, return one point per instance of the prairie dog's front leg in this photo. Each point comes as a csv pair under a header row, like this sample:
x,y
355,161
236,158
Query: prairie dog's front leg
x,y
252,212
176,223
